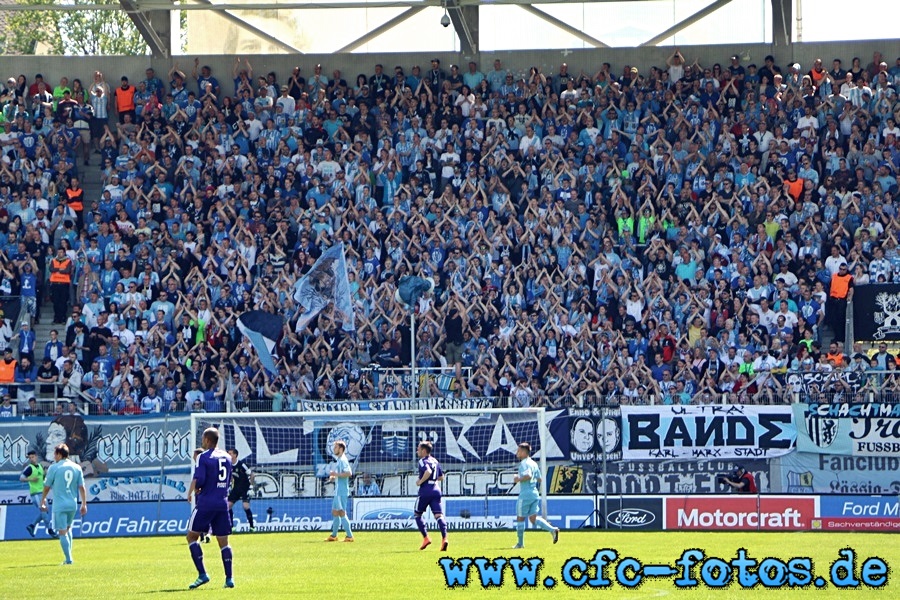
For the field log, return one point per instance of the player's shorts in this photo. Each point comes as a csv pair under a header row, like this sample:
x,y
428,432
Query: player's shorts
x,y
63,519
526,507
431,501
340,502
239,496
202,521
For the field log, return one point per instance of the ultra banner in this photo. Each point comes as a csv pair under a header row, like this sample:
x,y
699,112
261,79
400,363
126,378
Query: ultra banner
x,y
876,312
110,444
706,431
871,429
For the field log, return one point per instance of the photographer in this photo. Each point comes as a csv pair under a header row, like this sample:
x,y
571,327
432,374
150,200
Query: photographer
x,y
741,480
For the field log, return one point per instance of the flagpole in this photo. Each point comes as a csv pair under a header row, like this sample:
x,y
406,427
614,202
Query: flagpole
x,y
412,341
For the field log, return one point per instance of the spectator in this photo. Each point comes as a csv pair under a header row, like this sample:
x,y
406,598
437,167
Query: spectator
x,y
368,486
598,234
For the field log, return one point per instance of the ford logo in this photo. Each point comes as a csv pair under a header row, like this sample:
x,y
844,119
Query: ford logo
x,y
630,517
388,514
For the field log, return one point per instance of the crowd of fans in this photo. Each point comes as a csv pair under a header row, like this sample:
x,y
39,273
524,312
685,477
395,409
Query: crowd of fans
x,y
678,233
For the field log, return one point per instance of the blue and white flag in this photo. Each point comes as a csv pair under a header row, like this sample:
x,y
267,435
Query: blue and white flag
x,y
326,283
410,288
264,330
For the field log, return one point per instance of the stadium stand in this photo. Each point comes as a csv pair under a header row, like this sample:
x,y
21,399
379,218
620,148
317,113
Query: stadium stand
x,y
686,234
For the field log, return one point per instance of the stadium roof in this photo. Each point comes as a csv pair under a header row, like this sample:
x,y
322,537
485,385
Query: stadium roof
x,y
152,18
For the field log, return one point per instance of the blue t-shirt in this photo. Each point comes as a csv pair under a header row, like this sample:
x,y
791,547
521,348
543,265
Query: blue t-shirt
x,y
432,485
64,478
528,490
342,484
213,480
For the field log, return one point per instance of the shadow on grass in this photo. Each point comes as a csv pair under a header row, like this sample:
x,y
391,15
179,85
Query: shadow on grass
x,y
166,591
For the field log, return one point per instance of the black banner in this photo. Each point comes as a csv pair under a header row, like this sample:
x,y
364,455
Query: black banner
x,y
817,381
670,476
595,432
10,307
876,312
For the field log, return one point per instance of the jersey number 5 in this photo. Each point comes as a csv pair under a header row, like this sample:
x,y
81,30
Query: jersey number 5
x,y
223,472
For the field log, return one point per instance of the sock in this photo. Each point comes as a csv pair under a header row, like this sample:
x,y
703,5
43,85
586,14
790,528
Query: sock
x,y
442,525
541,523
197,556
420,523
71,540
520,532
335,525
226,561
346,524
66,547
249,514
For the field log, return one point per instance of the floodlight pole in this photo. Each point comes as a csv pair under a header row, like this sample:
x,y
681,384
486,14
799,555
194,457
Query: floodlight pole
x,y
412,346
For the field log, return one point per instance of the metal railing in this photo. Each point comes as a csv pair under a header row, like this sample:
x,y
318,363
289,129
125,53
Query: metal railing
x,y
40,399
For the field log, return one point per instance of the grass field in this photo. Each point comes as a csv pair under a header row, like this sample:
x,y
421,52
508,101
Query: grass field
x,y
389,565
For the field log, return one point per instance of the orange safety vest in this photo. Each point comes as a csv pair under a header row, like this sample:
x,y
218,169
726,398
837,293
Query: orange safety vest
x,y
837,357
125,99
75,198
795,188
7,371
840,286
56,277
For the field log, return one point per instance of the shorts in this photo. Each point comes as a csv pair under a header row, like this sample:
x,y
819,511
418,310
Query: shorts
x,y
63,519
432,501
239,496
97,127
340,502
202,521
453,353
526,507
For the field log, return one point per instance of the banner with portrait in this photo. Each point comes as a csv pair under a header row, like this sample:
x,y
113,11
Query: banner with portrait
x,y
850,429
706,432
138,444
595,434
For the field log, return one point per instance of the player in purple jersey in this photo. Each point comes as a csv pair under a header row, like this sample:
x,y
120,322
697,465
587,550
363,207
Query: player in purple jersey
x,y
429,482
212,481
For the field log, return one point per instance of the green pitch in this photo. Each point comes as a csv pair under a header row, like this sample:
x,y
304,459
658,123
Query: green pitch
x,y
389,565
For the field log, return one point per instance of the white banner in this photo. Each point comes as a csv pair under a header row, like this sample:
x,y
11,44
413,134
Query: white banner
x,y
140,487
706,431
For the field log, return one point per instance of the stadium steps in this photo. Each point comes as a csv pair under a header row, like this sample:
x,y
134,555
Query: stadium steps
x,y
90,176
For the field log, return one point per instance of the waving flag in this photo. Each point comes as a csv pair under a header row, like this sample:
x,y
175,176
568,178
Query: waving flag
x,y
326,283
264,330
411,288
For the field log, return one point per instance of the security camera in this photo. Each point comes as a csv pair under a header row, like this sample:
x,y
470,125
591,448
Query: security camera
x,y
445,20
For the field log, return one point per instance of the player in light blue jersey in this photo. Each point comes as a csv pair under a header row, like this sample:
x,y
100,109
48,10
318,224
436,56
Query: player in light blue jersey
x,y
528,504
66,480
340,474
